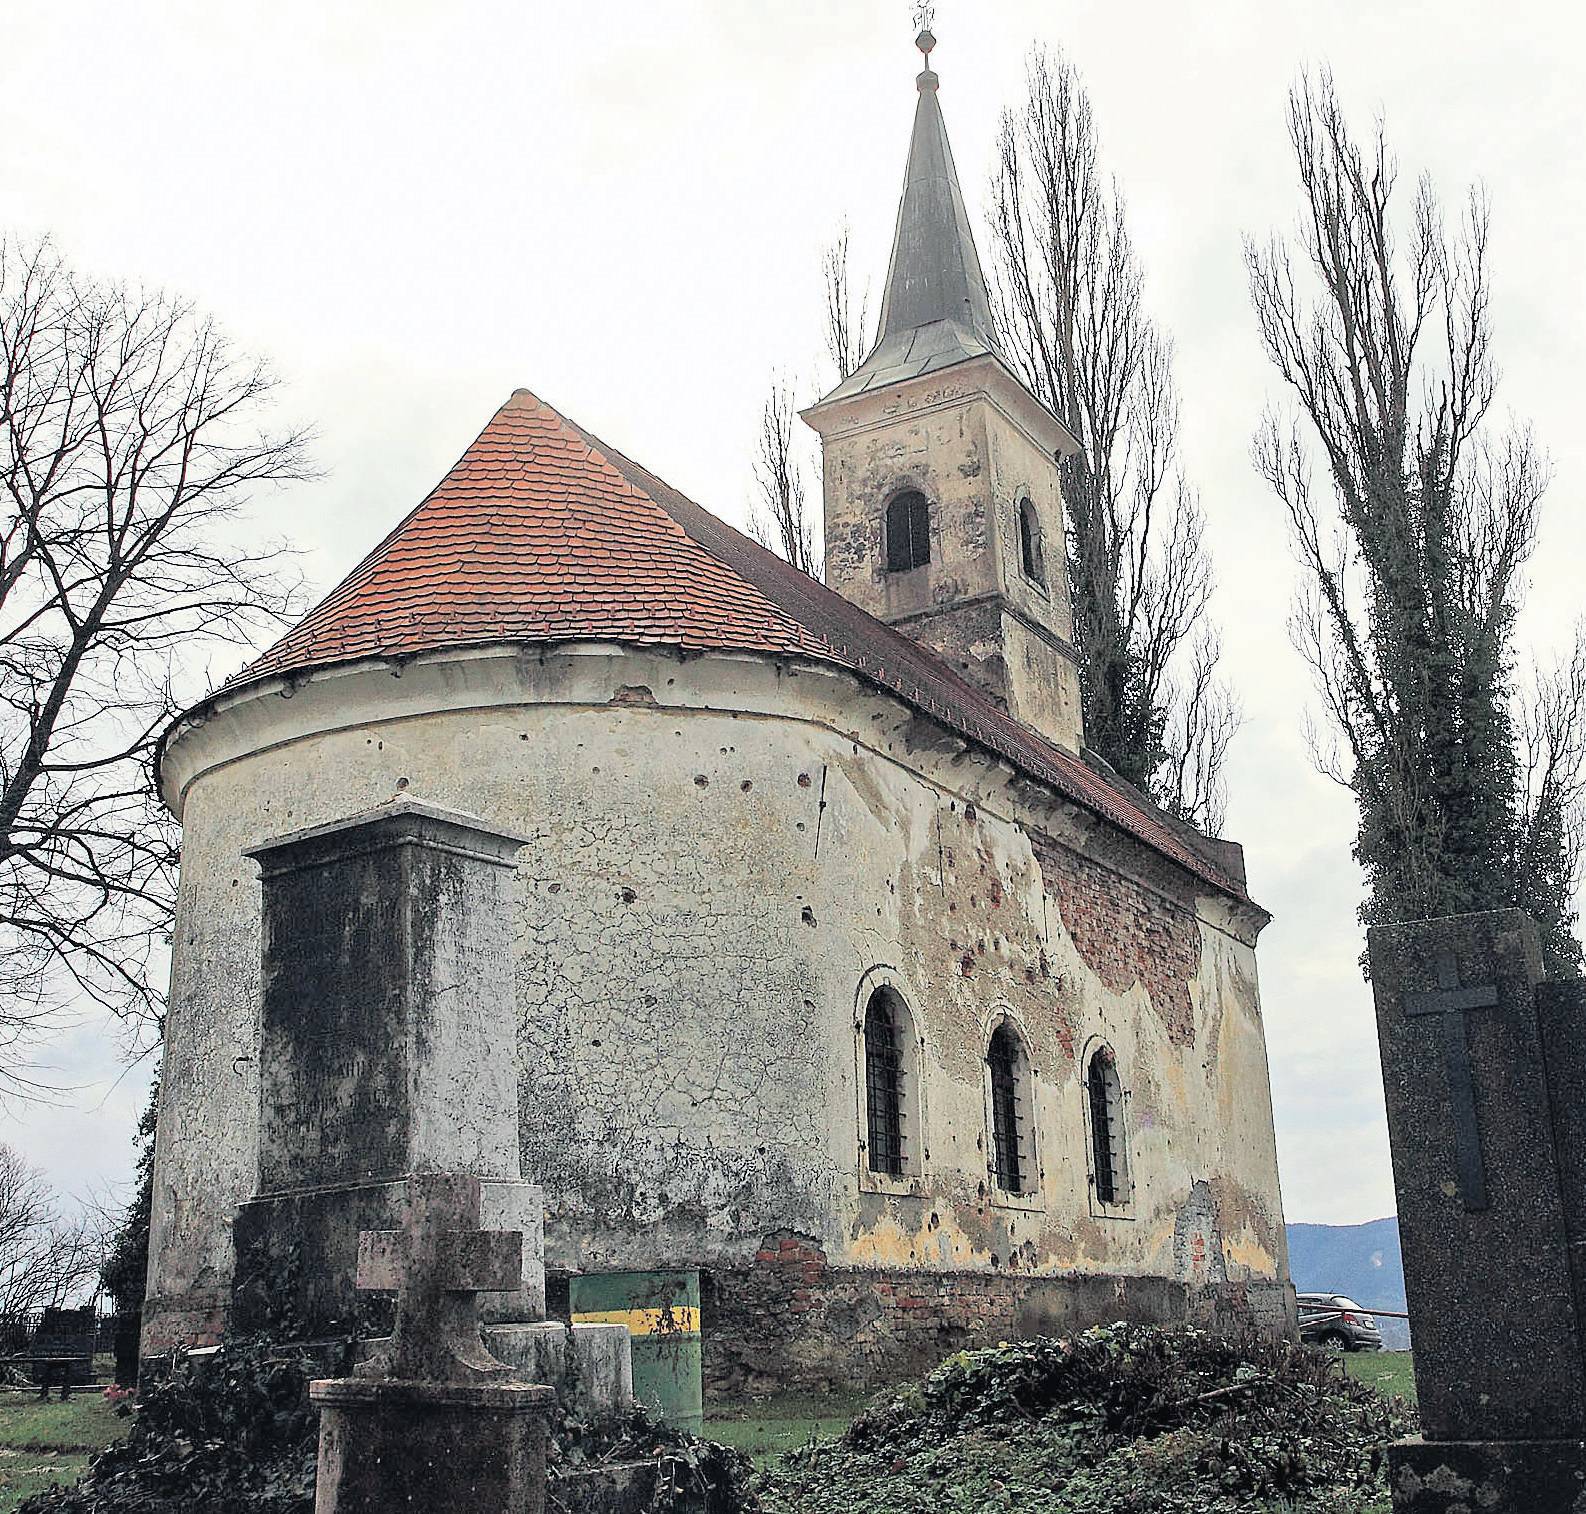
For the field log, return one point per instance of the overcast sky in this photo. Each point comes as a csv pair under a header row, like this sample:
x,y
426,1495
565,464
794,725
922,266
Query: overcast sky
x,y
413,207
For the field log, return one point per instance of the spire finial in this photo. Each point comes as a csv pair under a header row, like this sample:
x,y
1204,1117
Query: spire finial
x,y
926,40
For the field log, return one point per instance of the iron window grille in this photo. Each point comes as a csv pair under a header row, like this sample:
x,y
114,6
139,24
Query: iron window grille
x,y
883,1088
1002,1056
1105,1123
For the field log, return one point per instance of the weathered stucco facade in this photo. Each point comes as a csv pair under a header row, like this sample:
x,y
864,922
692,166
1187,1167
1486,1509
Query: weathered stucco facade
x,y
727,855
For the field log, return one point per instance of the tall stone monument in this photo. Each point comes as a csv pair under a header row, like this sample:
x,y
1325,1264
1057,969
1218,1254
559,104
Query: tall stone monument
x,y
387,1048
1484,1068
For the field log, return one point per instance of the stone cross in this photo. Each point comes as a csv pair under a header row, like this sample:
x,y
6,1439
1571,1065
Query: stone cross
x,y
1451,1001
436,1264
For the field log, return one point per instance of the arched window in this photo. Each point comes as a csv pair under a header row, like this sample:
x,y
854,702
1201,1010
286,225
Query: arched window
x,y
908,531
1109,1160
1005,1058
1031,556
884,1084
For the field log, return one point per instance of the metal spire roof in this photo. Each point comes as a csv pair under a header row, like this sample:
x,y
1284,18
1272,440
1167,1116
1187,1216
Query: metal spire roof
x,y
935,311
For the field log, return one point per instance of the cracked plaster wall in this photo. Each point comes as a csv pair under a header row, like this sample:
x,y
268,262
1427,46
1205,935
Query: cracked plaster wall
x,y
726,855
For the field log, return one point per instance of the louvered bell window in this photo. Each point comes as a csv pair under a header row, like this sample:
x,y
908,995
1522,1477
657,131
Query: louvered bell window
x,y
908,532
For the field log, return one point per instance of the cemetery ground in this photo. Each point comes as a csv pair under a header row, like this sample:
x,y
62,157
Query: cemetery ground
x,y
46,1443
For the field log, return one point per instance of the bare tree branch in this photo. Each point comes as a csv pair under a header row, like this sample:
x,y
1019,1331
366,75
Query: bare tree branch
x,y
782,519
130,439
46,1259
845,326
1067,297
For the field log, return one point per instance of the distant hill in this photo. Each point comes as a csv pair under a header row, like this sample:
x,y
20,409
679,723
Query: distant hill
x,y
1360,1260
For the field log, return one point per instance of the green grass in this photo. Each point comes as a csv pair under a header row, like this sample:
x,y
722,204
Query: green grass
x,y
765,1428
46,1443
1390,1372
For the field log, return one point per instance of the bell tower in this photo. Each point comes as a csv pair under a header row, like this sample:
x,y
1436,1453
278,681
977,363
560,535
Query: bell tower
x,y
943,511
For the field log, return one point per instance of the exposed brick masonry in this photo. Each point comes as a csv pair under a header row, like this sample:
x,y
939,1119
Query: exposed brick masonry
x,y
790,1318
1128,934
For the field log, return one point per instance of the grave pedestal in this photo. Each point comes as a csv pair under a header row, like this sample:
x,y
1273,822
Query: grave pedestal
x,y
297,1254
1484,1069
1493,1476
390,1445
387,1047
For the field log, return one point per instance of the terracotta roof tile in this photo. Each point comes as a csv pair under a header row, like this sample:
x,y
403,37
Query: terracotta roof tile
x,y
541,532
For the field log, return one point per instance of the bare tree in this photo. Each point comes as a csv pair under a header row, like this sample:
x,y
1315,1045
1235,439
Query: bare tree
x,y
1413,554
45,1259
130,437
781,520
845,325
1066,292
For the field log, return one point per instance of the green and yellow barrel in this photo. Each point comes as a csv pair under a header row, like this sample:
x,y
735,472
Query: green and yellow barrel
x,y
661,1311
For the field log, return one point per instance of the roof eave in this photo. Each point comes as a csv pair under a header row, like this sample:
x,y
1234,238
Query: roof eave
x,y
838,412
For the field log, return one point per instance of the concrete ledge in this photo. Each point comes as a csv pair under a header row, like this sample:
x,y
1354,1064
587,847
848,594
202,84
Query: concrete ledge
x,y
589,1366
378,1392
1492,1476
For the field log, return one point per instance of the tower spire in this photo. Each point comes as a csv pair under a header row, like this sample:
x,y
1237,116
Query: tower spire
x,y
934,310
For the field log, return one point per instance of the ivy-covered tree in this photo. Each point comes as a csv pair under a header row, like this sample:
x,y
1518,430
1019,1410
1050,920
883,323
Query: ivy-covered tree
x,y
1376,316
125,1270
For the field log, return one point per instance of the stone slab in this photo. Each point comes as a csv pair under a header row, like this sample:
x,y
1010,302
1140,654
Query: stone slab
x,y
589,1366
297,1256
1497,1334
1488,1477
1561,1010
395,1444
626,1489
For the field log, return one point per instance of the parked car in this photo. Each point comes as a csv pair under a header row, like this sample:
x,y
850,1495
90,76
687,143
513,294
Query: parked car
x,y
1335,1321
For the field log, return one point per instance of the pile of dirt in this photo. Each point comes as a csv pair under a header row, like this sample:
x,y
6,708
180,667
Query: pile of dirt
x,y
1123,1419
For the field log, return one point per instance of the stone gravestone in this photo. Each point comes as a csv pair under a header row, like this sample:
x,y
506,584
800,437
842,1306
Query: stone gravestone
x,y
387,1047
1484,1069
434,1422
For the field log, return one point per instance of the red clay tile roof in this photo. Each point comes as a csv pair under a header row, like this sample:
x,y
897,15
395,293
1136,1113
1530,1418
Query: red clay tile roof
x,y
541,532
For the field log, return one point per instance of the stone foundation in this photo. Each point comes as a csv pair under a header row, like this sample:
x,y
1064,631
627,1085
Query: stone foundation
x,y
791,1318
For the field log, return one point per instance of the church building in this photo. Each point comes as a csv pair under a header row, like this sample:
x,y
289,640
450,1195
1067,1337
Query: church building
x,y
843,973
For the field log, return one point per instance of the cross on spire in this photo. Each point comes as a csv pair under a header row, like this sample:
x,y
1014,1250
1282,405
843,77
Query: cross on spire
x,y
437,1263
925,40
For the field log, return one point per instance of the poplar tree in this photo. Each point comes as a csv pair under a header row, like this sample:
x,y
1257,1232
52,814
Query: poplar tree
x,y
1067,293
1467,775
